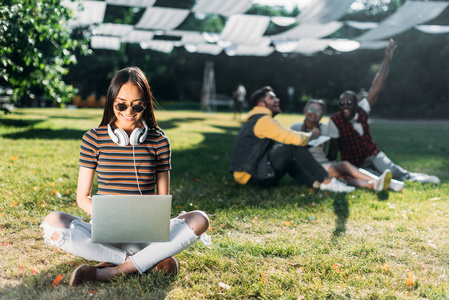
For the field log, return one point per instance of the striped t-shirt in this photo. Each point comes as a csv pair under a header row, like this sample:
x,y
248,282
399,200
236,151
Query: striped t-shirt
x,y
115,164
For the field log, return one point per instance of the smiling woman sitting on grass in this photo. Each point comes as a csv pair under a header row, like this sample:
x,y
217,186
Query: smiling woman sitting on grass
x,y
128,124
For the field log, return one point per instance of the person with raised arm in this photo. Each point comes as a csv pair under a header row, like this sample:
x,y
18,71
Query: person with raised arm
x,y
350,132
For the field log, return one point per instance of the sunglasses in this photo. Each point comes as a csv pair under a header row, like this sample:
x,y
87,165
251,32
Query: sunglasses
x,y
347,102
138,108
318,111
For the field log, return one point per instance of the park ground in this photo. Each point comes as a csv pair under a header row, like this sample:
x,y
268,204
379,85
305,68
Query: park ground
x,y
285,242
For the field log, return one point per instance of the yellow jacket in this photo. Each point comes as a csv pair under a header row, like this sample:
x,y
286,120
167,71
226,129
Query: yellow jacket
x,y
268,128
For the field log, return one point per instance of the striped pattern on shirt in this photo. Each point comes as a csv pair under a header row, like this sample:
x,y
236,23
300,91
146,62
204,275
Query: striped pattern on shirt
x,y
115,164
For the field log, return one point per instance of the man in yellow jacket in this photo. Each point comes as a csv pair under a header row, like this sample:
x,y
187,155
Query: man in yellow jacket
x,y
257,160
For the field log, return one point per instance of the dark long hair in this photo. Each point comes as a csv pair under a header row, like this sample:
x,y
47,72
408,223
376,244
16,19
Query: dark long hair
x,y
135,76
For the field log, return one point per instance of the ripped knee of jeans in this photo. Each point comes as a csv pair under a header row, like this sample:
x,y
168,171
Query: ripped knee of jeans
x,y
197,220
180,226
53,236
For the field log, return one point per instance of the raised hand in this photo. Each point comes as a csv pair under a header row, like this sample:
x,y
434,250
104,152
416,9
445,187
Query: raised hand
x,y
390,49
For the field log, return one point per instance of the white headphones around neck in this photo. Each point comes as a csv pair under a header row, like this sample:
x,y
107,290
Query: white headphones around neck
x,y
120,137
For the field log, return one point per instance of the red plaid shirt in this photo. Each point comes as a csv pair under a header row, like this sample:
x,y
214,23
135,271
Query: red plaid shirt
x,y
353,147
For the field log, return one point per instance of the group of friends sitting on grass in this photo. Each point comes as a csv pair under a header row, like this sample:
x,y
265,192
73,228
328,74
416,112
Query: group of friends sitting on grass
x,y
264,150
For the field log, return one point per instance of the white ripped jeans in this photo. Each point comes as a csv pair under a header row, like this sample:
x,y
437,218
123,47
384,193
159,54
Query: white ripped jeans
x,y
77,240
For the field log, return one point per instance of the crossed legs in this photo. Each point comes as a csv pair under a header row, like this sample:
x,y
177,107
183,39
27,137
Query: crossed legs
x,y
189,226
196,221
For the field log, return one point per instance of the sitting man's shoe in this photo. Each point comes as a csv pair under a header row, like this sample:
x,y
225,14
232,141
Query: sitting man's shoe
x,y
383,182
433,179
83,274
424,178
336,186
396,185
169,265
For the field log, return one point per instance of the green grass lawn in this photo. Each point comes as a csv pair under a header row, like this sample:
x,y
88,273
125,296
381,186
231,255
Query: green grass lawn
x,y
285,242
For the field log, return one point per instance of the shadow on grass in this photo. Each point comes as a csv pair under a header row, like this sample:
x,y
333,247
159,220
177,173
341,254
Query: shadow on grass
x,y
74,118
341,210
149,285
383,196
48,134
19,123
68,134
175,122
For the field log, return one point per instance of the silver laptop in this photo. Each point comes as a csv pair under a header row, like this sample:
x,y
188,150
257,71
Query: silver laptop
x,y
130,219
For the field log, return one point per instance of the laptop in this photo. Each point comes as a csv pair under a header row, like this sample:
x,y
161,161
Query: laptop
x,y
130,218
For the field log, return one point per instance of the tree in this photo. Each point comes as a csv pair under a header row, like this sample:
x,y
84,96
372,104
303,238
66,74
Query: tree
x,y
36,47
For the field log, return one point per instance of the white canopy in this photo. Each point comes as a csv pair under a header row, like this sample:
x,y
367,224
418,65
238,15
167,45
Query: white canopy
x,y
156,45
244,34
209,49
162,18
113,29
373,45
86,12
244,29
105,42
305,46
222,7
308,31
433,29
211,37
362,25
311,46
344,45
132,3
324,11
187,37
283,21
138,36
248,50
410,14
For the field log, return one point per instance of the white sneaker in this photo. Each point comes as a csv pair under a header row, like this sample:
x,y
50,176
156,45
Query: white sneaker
x,y
336,186
396,185
433,179
382,183
424,178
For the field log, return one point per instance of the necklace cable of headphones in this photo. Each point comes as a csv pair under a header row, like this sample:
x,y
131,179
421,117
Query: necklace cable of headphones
x,y
135,170
121,138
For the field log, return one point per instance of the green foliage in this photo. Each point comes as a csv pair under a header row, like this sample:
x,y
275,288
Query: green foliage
x,y
265,10
122,14
373,11
203,23
36,48
277,11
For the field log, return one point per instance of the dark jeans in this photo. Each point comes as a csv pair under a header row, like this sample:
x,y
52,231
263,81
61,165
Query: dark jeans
x,y
297,162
